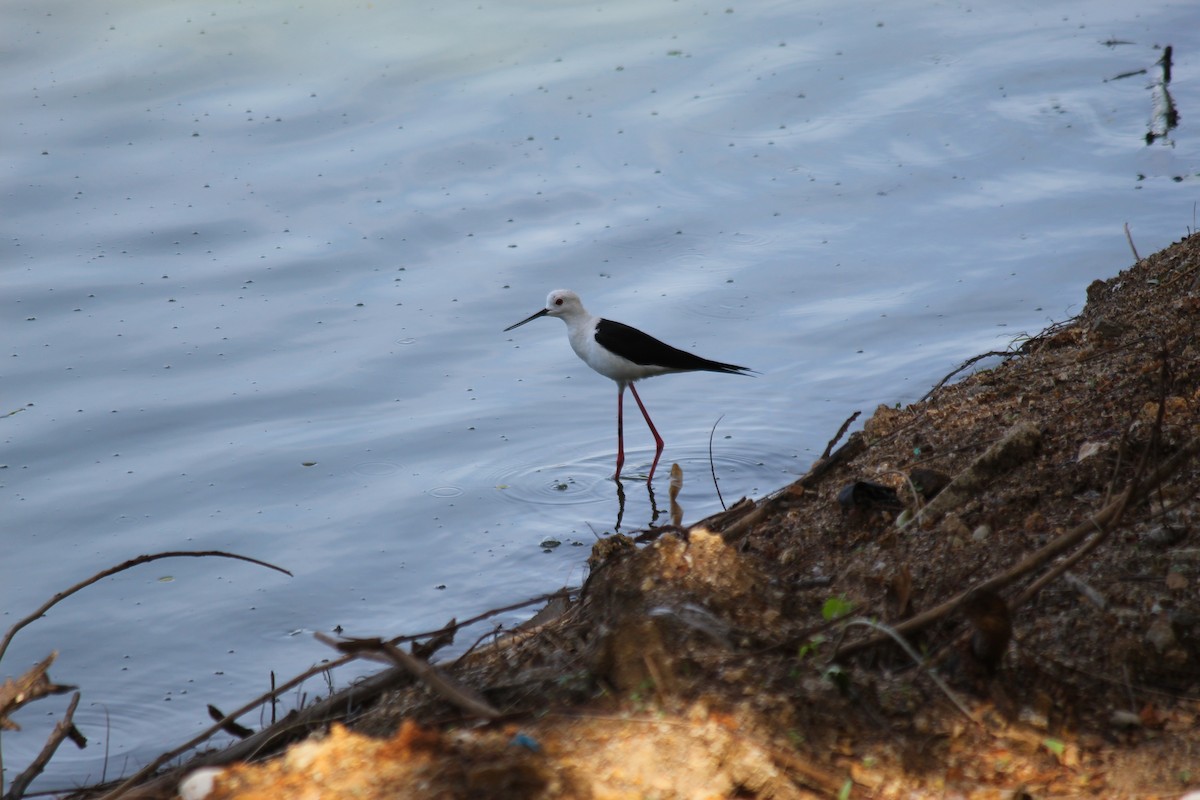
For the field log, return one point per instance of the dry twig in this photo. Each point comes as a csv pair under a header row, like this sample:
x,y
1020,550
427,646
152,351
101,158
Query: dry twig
x,y
1129,238
445,686
294,724
837,437
34,684
64,729
287,728
888,630
972,360
712,466
855,445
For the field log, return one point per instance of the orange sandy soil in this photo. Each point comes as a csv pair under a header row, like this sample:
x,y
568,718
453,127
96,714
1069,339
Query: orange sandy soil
x,y
710,662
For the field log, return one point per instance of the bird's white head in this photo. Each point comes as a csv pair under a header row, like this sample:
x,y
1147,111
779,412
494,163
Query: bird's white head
x,y
560,303
563,303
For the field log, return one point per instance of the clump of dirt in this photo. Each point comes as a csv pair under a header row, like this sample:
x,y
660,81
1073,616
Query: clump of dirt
x,y
1027,534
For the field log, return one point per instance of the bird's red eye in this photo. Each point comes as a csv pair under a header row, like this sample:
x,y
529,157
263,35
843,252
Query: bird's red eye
x,y
558,301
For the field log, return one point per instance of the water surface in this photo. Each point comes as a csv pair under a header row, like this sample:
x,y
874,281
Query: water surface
x,y
258,258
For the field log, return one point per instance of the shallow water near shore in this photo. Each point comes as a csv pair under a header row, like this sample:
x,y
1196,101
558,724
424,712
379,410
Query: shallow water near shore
x,y
259,258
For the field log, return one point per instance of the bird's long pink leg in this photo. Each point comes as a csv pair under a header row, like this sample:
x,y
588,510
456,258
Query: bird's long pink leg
x,y
658,442
620,431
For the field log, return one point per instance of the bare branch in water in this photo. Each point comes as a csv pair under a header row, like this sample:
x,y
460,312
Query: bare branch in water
x,y
64,729
133,562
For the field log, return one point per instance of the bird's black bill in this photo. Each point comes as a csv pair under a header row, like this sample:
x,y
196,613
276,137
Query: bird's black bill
x,y
530,318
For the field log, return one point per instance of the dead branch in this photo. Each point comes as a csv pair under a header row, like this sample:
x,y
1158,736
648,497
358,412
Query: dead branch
x,y
712,466
888,630
133,562
1129,238
1016,447
972,360
855,445
851,449
837,437
427,648
1080,585
493,633
744,525
806,771
65,728
34,684
454,626
230,727
719,521
1102,534
439,682
294,725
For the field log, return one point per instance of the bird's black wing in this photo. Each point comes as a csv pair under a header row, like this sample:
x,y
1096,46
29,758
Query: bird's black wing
x,y
644,349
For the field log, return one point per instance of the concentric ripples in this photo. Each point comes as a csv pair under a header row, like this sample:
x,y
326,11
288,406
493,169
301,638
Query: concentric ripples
x,y
573,483
375,469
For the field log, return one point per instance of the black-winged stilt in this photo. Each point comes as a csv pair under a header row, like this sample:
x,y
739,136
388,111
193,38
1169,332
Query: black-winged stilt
x,y
624,354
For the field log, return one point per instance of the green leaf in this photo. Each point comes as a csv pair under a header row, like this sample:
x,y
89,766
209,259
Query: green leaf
x,y
836,607
810,647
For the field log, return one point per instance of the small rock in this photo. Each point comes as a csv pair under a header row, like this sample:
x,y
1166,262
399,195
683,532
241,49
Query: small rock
x,y
928,481
952,525
1035,718
1161,636
989,615
1096,290
1107,329
1175,409
1125,719
867,496
1165,535
199,784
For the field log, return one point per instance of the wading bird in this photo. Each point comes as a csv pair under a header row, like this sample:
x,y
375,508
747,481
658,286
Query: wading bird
x,y
624,354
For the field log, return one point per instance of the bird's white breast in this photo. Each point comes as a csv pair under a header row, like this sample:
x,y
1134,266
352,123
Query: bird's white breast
x,y
608,364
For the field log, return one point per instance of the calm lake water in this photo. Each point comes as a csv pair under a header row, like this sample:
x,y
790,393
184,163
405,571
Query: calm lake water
x,y
258,257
